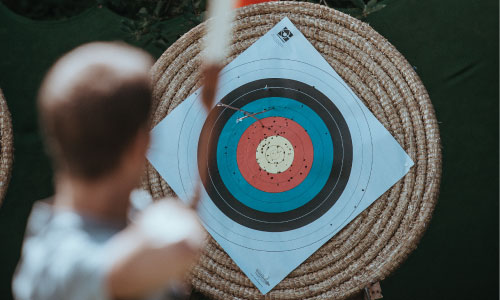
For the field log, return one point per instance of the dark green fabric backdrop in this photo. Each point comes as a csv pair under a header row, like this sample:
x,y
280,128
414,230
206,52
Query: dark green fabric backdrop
x,y
454,48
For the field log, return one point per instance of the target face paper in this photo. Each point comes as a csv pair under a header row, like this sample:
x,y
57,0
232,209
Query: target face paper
x,y
292,155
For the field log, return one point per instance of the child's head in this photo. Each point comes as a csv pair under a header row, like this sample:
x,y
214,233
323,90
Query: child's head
x,y
94,107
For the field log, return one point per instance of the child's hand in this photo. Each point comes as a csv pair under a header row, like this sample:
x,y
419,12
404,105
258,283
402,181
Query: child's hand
x,y
156,250
170,222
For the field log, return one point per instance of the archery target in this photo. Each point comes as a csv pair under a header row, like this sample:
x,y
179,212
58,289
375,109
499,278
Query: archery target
x,y
291,153
283,170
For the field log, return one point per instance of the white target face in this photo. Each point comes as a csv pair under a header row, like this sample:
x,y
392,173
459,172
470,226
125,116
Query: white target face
x,y
274,154
279,188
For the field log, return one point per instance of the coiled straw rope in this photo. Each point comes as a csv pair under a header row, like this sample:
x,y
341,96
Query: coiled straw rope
x,y
6,146
380,238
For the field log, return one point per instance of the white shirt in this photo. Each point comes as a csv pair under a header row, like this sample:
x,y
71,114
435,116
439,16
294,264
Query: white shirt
x,y
64,256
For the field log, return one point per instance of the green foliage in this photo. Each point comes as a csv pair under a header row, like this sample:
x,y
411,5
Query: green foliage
x,y
362,10
145,19
147,24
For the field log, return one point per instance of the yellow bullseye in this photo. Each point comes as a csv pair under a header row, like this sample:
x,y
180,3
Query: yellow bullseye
x,y
274,154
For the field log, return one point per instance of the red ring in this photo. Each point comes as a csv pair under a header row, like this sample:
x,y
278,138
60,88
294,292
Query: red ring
x,y
269,182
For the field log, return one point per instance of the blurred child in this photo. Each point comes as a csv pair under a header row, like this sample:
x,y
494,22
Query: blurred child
x,y
94,107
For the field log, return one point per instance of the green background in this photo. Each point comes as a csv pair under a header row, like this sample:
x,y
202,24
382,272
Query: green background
x,y
453,44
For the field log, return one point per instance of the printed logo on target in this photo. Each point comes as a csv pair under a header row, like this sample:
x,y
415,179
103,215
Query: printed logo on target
x,y
285,34
262,277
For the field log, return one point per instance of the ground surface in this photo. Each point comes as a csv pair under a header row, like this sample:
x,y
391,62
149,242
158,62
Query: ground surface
x,y
454,47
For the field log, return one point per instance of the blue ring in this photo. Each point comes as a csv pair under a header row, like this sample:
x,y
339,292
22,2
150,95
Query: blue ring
x,y
299,195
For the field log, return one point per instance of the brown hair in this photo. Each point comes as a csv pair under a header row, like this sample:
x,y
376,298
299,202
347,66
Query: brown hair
x,y
92,104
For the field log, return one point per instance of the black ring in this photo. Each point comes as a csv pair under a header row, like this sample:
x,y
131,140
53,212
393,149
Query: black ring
x,y
331,191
